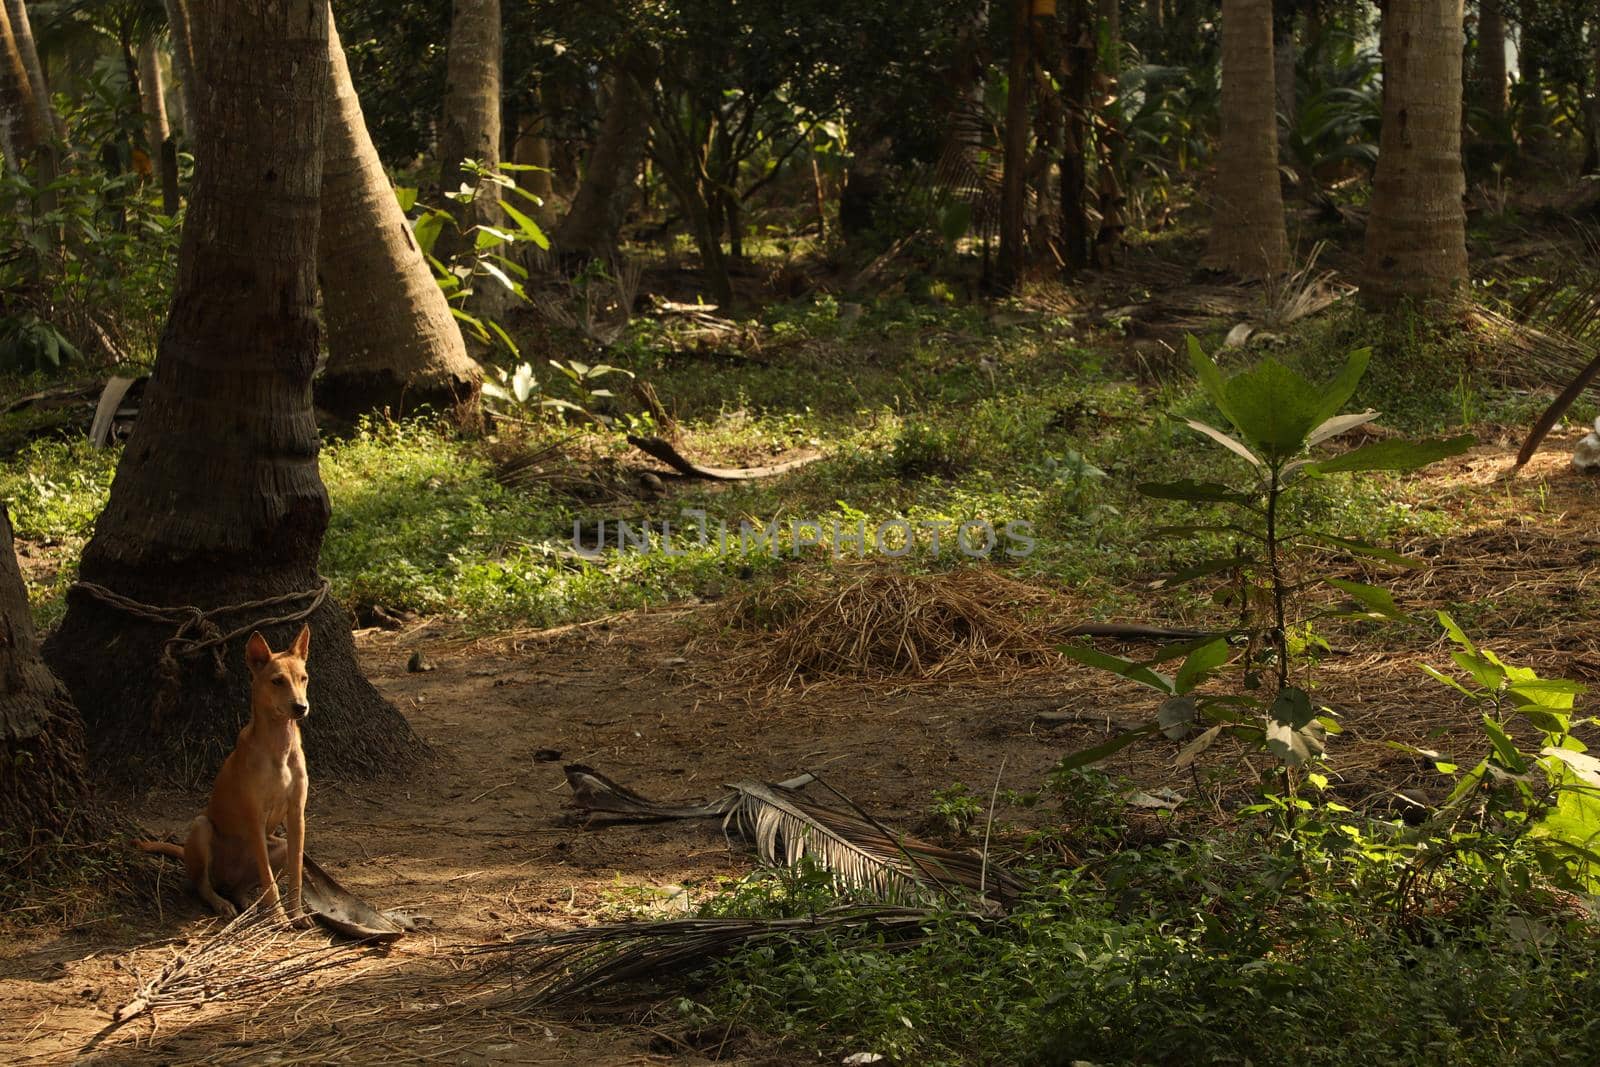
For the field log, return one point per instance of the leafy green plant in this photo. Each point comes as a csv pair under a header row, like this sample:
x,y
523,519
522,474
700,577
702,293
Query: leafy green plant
x,y
1278,418
1335,124
28,345
517,392
487,254
956,808
1548,797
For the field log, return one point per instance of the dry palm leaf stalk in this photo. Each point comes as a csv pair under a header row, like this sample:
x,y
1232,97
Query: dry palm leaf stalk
x,y
253,954
786,828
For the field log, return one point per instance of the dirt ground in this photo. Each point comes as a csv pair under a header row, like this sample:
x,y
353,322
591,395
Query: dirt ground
x,y
478,841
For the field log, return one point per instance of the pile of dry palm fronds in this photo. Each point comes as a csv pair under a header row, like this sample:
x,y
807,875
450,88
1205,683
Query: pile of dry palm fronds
x,y
254,953
868,623
569,963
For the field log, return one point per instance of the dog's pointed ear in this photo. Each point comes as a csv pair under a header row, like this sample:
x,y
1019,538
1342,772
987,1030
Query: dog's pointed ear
x,y
302,642
257,654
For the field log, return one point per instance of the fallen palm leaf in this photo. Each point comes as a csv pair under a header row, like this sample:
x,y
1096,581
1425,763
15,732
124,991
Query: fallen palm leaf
x,y
786,828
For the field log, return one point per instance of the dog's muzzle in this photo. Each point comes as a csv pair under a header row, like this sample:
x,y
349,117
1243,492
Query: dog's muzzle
x,y
301,711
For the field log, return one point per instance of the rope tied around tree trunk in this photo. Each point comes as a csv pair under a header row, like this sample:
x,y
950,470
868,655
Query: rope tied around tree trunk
x,y
197,630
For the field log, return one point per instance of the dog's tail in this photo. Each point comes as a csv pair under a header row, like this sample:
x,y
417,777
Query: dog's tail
x,y
166,848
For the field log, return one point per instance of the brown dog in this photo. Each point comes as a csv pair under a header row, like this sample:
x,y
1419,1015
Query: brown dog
x,y
262,783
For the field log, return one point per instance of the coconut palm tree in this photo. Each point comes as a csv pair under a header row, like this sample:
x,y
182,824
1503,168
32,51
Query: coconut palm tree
x,y
1247,230
471,127
41,736
20,133
392,341
217,501
1416,244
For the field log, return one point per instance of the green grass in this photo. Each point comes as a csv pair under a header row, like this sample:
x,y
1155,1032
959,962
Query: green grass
x,y
1160,950
926,414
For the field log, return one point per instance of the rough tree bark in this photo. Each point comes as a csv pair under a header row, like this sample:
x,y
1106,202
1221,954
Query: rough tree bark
x,y
28,49
471,128
42,790
594,222
19,114
1247,229
1013,188
217,500
392,341
1416,233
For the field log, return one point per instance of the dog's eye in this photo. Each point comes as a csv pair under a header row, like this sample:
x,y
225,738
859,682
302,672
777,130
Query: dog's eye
x,y
280,680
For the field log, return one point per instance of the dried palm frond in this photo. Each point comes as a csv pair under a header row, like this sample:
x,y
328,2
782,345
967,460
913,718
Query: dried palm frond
x,y
255,952
868,623
579,962
786,828
1299,293
1550,335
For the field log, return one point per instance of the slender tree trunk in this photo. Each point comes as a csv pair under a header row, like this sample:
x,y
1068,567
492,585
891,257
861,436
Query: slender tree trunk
x,y
19,114
153,98
217,501
183,62
22,31
1416,234
680,174
1048,121
1013,189
1591,129
1079,60
1247,229
471,128
1535,116
1491,87
42,792
1109,143
1283,55
392,341
532,148
594,222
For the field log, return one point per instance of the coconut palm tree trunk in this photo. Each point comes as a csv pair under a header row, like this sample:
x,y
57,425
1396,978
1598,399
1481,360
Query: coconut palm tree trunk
x,y
1014,188
471,128
183,61
1416,233
392,341
153,98
20,133
217,501
28,49
42,791
1247,229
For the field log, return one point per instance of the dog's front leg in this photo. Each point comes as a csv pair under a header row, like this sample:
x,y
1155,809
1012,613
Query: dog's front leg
x,y
269,885
296,854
